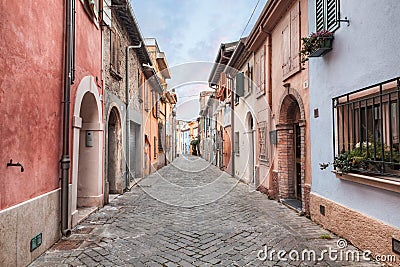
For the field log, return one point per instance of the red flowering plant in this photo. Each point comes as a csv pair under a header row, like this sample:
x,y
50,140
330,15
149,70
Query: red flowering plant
x,y
316,41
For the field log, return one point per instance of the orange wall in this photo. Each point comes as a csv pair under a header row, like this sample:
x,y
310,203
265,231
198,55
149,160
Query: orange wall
x,y
150,129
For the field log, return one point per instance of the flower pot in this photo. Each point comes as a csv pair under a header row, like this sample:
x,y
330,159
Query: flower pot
x,y
325,45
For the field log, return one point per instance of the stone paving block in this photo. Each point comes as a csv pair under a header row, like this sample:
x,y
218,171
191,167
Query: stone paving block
x,y
219,225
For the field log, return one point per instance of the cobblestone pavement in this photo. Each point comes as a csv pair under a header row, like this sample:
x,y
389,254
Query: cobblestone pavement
x,y
192,214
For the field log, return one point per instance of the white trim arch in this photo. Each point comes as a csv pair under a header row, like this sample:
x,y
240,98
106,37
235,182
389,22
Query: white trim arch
x,y
87,161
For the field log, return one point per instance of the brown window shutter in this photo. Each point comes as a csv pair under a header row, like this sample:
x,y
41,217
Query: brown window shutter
x,y
295,38
286,50
257,73
118,47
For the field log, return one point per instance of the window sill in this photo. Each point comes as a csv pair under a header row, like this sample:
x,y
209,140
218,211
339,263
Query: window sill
x,y
247,94
115,74
264,162
291,73
260,94
385,183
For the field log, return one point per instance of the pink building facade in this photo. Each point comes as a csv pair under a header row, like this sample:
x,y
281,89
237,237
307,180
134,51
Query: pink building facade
x,y
33,63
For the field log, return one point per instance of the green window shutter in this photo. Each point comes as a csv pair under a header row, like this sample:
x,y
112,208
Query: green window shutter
x,y
332,15
240,84
319,12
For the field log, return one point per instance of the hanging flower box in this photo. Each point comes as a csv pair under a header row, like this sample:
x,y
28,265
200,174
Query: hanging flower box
x,y
316,45
324,47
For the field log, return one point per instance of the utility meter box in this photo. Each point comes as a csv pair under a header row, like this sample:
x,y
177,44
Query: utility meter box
x,y
89,138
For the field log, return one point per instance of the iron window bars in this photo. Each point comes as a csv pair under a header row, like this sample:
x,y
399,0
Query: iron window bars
x,y
366,127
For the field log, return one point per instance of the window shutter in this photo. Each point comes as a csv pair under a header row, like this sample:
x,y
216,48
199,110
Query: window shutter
x,y
286,50
295,38
327,15
118,47
107,12
236,143
262,72
319,15
262,131
240,84
146,96
332,15
112,56
257,59
115,50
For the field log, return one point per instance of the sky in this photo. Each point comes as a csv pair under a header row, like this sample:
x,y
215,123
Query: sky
x,y
191,31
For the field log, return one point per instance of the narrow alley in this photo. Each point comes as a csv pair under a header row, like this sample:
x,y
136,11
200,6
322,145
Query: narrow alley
x,y
199,133
189,224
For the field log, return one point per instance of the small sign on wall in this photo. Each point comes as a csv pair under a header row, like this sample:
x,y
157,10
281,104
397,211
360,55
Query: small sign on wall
x,y
396,246
36,242
273,137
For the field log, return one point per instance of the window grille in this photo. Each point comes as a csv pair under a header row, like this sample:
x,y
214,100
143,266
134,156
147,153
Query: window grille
x,y
366,128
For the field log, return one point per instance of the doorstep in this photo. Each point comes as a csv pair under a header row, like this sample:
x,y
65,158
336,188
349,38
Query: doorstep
x,y
84,212
293,204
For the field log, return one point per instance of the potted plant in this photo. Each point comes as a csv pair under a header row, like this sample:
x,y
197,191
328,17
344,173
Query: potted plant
x,y
362,158
316,45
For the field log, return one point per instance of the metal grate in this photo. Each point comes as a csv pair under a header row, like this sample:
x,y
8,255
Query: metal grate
x,y
366,127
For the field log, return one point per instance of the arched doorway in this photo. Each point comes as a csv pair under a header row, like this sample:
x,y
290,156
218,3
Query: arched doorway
x,y
87,158
114,182
251,139
291,150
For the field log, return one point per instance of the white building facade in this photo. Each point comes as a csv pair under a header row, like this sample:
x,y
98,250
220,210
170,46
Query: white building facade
x,y
356,104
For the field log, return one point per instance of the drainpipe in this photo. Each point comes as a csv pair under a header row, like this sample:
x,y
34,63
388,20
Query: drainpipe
x,y
233,131
269,64
127,126
65,159
165,131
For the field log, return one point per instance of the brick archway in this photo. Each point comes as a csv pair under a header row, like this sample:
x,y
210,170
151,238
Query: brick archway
x,y
291,147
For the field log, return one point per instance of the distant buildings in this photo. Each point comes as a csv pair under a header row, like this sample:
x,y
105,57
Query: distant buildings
x,y
187,131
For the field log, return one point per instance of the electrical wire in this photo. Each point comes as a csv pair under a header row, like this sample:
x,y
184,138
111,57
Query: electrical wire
x,y
248,22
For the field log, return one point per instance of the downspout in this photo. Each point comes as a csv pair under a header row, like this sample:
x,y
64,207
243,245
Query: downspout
x,y
233,92
127,125
165,131
65,159
269,64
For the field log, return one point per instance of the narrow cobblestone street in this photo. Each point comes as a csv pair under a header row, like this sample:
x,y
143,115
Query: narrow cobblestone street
x,y
191,214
